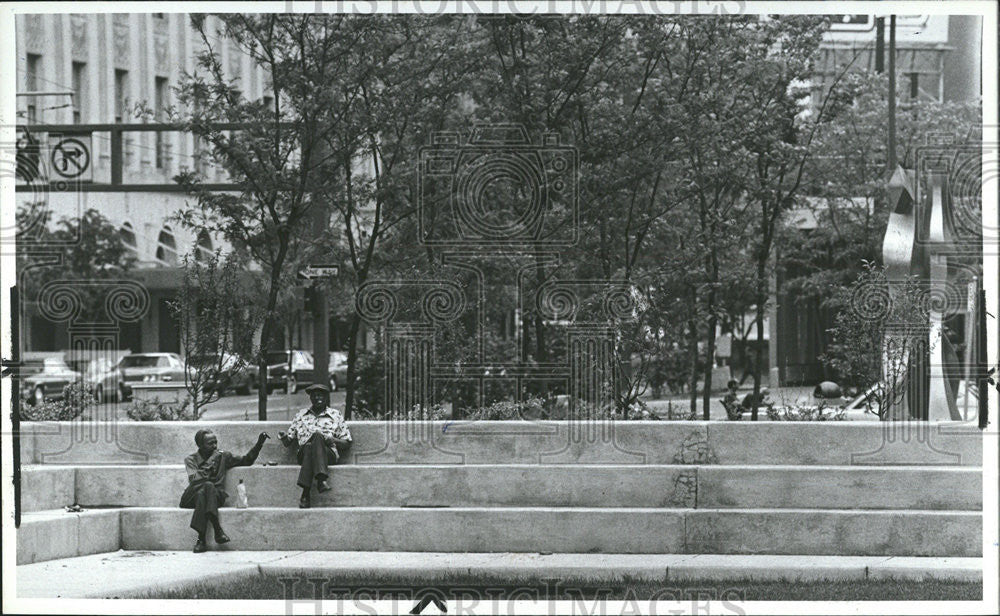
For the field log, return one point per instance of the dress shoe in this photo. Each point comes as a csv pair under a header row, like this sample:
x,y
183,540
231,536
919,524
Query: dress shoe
x,y
199,547
221,537
304,502
323,486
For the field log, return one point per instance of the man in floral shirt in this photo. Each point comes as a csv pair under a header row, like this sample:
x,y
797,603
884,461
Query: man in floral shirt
x,y
316,432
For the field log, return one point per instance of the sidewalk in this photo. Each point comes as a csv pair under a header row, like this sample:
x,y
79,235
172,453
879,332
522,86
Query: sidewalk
x,y
120,574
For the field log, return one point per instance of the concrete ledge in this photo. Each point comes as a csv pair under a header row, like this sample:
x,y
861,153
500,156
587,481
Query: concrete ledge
x,y
845,533
677,486
846,443
121,574
542,442
405,485
634,531
580,530
47,487
47,535
840,487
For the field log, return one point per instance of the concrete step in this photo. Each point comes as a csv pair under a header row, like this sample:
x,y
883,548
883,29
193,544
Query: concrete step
x,y
677,486
526,442
124,574
47,535
576,530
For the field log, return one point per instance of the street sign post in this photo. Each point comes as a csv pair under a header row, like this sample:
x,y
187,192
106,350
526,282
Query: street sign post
x,y
316,271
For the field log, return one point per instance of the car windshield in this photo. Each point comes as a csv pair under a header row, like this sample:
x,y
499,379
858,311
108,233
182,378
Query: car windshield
x,y
277,357
140,361
337,358
54,364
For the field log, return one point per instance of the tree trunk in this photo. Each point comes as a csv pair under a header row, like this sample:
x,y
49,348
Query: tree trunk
x,y
713,268
709,362
265,333
352,355
759,321
693,357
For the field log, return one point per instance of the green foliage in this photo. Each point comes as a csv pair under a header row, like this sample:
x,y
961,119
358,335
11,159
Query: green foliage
x,y
154,410
217,320
846,179
92,251
805,413
883,323
77,398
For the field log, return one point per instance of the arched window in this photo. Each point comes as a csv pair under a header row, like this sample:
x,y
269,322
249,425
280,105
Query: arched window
x,y
166,247
127,235
203,249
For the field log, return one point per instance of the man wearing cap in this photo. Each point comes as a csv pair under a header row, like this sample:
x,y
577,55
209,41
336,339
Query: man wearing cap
x,y
205,493
316,431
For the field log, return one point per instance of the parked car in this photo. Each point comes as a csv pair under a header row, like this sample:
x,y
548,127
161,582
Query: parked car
x,y
48,382
233,375
149,367
338,370
105,375
289,370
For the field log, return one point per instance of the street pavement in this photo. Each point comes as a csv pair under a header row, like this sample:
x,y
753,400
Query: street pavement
x,y
281,406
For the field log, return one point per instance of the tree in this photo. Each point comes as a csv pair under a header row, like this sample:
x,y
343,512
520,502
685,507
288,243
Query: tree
x,y
277,155
876,337
217,324
777,139
845,182
93,252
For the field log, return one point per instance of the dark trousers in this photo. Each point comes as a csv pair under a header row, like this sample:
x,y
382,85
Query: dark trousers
x,y
315,457
205,499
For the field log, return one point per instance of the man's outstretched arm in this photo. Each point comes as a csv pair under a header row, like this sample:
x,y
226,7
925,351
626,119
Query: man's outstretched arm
x,y
251,456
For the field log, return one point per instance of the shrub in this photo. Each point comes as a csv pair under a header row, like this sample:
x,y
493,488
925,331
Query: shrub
x,y
431,413
805,413
154,410
369,386
77,397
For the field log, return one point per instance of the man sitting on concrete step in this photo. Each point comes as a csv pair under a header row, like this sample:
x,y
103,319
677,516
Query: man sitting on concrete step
x,y
316,431
206,469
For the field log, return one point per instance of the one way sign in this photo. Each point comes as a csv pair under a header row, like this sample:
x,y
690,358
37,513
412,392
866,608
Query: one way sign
x,y
318,270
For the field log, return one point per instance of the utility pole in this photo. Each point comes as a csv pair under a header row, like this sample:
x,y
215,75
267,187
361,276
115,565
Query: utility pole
x,y
891,162
880,45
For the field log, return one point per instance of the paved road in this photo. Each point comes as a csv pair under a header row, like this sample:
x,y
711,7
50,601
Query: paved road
x,y
231,407
281,406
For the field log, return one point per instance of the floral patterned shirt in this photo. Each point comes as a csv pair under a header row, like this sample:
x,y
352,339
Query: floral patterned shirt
x,y
330,423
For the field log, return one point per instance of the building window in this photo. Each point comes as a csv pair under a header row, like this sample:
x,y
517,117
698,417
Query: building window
x,y
166,247
121,94
203,249
161,116
32,71
79,90
127,235
160,15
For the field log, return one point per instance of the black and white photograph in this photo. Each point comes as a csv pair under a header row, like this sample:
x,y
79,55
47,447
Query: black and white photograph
x,y
500,307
